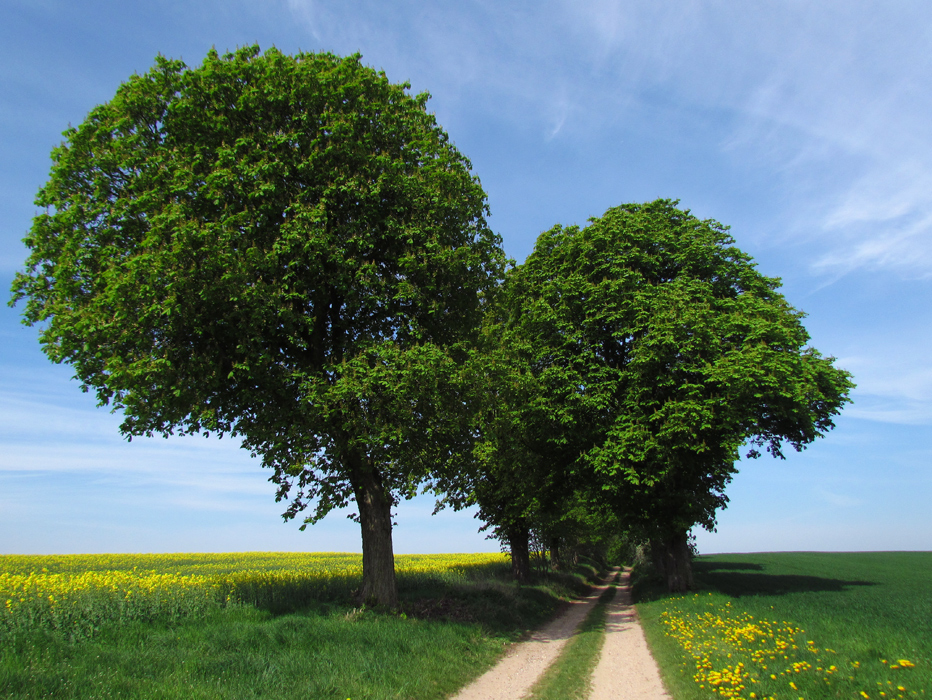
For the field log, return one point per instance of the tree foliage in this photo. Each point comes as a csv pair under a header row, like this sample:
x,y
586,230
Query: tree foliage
x,y
289,249
668,351
284,248
516,477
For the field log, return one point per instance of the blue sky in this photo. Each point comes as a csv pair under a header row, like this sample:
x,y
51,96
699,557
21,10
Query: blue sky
x,y
804,126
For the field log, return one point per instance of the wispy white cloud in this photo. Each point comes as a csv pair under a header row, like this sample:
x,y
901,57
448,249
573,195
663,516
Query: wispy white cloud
x,y
513,63
839,500
893,385
825,99
906,250
891,411
883,221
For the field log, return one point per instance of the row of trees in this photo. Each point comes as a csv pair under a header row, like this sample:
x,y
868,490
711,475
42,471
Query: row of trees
x,y
632,359
289,249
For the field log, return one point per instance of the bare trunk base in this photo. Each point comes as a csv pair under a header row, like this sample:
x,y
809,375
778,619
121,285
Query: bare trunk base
x,y
518,542
556,560
673,562
379,586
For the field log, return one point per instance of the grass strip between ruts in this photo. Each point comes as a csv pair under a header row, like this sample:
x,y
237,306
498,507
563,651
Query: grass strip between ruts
x,y
569,677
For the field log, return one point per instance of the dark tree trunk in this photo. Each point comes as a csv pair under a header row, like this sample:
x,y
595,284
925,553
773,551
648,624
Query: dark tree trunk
x,y
657,556
375,518
556,562
684,559
671,557
518,541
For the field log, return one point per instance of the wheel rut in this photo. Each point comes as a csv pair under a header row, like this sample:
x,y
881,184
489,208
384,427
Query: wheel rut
x,y
524,662
625,668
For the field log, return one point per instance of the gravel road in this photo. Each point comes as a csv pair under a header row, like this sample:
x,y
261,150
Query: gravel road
x,y
625,668
524,662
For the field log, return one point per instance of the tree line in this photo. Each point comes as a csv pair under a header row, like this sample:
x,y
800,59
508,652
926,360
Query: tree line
x,y
290,250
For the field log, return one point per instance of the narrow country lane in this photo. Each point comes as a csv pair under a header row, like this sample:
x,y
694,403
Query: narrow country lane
x,y
626,668
524,663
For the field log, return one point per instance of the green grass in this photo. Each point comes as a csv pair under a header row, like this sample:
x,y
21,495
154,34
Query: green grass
x,y
448,630
858,612
568,678
247,653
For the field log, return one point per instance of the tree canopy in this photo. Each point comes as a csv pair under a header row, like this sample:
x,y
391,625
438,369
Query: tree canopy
x,y
284,248
662,350
290,250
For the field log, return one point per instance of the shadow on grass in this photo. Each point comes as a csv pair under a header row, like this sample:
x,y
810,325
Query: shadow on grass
x,y
737,580
700,565
499,608
492,601
498,605
487,598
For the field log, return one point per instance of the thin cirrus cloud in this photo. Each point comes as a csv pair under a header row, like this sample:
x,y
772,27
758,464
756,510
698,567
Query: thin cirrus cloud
x,y
839,500
816,93
826,101
893,385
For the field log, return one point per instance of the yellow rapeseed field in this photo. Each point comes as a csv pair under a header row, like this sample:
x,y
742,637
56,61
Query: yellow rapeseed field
x,y
77,594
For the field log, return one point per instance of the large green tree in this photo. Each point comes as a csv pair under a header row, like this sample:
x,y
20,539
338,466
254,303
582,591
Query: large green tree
x,y
671,351
288,249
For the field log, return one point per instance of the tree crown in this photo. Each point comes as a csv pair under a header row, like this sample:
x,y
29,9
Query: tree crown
x,y
669,350
261,245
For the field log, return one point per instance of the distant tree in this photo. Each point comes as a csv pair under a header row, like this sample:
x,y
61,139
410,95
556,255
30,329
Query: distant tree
x,y
670,351
515,477
529,431
282,248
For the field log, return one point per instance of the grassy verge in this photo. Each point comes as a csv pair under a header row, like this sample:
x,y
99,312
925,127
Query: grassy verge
x,y
568,678
447,631
797,625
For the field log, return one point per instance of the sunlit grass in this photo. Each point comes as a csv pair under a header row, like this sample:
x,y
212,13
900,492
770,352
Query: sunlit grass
x,y
290,630
789,626
75,595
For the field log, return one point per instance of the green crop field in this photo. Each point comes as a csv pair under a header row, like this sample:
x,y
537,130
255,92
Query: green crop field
x,y
797,625
257,625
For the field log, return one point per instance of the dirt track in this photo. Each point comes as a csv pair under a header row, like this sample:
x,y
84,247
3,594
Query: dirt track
x,y
524,663
625,669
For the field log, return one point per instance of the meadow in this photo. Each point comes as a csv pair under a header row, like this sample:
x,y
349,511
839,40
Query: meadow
x,y
261,625
790,626
258,625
